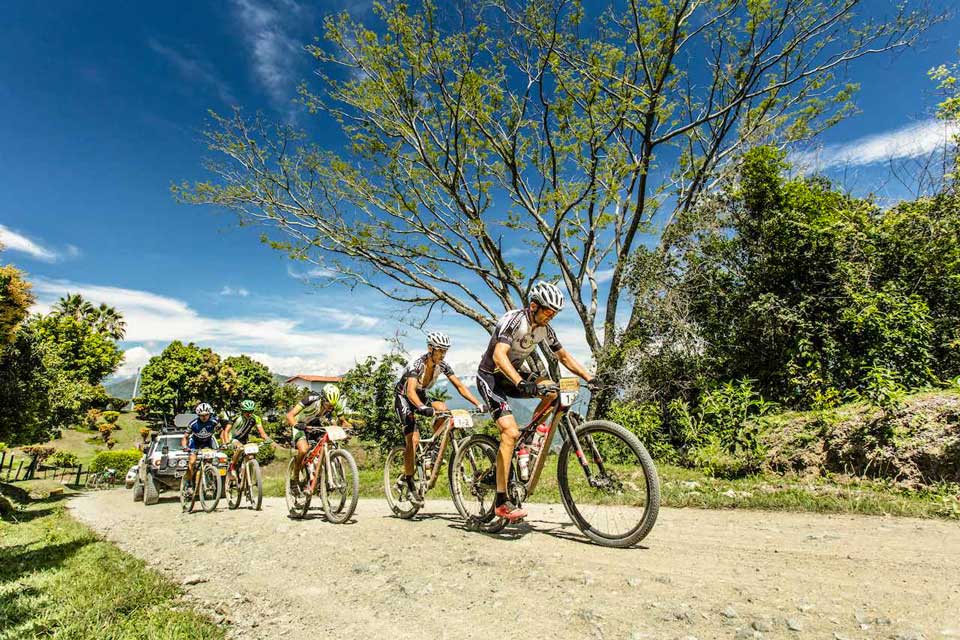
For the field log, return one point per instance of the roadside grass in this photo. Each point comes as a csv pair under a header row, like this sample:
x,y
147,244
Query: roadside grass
x,y
682,487
59,580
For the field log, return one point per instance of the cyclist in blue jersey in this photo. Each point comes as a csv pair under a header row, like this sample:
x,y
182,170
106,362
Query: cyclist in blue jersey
x,y
199,435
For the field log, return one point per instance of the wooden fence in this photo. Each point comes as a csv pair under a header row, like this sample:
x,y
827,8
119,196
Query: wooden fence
x,y
10,473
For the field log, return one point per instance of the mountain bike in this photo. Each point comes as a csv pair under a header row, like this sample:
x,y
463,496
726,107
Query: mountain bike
x,y
427,462
101,479
327,468
206,482
248,480
606,478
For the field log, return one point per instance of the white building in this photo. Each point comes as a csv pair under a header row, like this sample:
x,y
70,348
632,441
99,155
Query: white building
x,y
314,383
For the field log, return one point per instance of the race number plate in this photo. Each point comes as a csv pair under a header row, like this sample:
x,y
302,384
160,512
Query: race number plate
x,y
336,433
251,449
569,388
461,419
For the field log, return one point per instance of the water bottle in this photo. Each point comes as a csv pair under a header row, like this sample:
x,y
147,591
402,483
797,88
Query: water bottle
x,y
539,437
523,457
427,463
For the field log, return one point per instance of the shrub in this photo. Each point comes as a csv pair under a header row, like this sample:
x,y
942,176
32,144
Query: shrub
x,y
643,419
120,460
111,417
882,390
267,454
91,418
39,452
64,459
3,446
145,434
715,459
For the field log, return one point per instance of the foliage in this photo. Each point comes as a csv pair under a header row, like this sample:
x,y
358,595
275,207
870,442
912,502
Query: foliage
x,y
91,418
15,301
644,420
120,460
266,454
801,288
368,387
184,375
91,356
145,433
881,388
39,452
103,319
111,417
530,118
64,459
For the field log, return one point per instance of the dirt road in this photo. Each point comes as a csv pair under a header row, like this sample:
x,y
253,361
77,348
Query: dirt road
x,y
700,574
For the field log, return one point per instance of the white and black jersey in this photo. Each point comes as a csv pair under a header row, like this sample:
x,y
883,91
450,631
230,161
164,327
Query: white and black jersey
x,y
516,329
418,369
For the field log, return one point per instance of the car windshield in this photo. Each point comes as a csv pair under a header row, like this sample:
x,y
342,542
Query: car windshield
x,y
173,443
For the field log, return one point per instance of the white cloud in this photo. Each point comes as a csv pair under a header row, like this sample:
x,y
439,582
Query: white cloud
x,y
604,275
156,320
194,70
313,272
912,141
230,291
133,359
266,28
13,241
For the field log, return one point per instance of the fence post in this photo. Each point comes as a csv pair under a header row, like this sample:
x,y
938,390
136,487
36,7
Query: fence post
x,y
79,467
3,458
9,467
17,476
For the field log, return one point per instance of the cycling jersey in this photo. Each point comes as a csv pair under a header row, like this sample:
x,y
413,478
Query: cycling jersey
x,y
310,409
418,369
201,433
516,329
243,426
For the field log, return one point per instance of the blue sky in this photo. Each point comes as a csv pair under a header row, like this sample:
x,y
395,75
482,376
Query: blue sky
x,y
100,109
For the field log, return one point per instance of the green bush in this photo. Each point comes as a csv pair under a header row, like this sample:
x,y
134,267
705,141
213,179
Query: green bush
x,y
120,460
64,459
643,419
111,417
39,452
267,454
715,459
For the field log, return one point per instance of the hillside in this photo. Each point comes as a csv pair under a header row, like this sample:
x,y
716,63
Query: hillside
x,y
121,387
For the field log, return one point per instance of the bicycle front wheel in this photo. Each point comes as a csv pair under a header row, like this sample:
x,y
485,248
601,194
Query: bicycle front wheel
x,y
254,484
340,489
473,482
209,487
188,497
398,495
616,499
298,500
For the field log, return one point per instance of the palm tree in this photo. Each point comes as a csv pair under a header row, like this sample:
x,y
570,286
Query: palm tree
x,y
110,322
73,306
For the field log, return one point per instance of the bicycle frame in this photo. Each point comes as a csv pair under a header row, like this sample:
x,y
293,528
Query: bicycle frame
x,y
446,437
559,412
319,450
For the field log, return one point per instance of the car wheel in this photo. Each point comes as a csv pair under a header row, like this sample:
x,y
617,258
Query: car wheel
x,y
150,493
137,490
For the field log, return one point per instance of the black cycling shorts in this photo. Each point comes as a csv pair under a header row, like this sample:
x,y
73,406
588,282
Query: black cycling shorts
x,y
495,388
405,412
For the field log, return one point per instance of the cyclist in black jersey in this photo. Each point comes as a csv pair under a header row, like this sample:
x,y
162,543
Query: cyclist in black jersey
x,y
502,375
410,396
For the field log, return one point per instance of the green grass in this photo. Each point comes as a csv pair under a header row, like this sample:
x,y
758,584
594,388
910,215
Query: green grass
x,y
681,487
59,580
86,444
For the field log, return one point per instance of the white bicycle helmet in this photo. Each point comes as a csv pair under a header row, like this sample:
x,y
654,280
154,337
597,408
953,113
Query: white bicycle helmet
x,y
203,407
438,340
331,393
547,295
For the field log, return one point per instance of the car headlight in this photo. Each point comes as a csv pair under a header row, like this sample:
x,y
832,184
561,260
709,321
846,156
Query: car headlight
x,y
182,464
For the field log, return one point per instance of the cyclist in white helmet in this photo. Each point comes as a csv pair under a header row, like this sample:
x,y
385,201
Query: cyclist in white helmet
x,y
325,407
410,397
199,435
503,374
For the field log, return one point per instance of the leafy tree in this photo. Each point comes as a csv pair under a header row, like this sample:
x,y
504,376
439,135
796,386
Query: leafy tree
x,y
15,301
805,290
180,377
368,387
73,305
567,132
242,377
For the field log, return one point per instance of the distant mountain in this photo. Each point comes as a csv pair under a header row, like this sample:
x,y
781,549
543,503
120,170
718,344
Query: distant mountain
x,y
121,387
280,378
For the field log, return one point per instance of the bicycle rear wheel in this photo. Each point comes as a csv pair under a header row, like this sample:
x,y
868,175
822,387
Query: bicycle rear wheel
x,y
209,487
235,489
341,490
618,505
398,495
473,476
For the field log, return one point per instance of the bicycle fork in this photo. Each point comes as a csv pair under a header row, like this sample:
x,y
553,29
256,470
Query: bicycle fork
x,y
571,435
